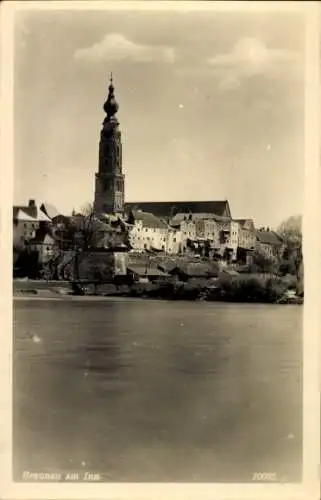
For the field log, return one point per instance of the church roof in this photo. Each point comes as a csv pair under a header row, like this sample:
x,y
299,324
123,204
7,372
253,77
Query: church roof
x,y
179,217
149,220
168,208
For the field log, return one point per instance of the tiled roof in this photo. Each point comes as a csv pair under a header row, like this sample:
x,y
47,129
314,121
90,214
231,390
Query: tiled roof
x,y
168,208
49,210
242,222
61,219
230,272
269,238
31,211
149,220
198,269
19,214
181,216
167,265
145,271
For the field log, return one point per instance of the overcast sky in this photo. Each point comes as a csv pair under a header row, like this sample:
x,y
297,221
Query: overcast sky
x,y
211,107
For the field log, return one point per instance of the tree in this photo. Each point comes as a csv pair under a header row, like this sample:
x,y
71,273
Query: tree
x,y
261,263
291,232
27,264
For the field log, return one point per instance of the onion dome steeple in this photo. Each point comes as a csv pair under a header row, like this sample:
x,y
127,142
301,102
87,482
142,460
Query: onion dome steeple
x,y
111,105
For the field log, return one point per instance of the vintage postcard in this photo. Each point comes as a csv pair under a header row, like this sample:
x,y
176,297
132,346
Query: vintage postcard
x,y
160,249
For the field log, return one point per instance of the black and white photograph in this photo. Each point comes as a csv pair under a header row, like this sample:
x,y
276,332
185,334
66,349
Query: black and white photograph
x,y
159,159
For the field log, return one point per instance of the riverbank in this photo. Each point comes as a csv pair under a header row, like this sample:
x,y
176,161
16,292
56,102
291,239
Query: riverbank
x,y
248,290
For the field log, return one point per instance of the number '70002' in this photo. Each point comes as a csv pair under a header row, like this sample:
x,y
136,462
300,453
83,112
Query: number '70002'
x,y
264,476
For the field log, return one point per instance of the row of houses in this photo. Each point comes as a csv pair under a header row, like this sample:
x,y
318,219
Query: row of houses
x,y
203,234
43,228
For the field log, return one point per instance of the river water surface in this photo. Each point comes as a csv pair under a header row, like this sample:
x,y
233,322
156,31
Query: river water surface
x,y
157,391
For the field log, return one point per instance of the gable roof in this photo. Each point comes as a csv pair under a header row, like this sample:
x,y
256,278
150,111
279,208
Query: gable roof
x,y
245,222
33,212
49,210
149,220
197,269
61,219
269,238
19,214
146,270
168,265
168,208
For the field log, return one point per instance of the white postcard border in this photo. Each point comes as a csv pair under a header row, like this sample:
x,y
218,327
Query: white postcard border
x,y
312,254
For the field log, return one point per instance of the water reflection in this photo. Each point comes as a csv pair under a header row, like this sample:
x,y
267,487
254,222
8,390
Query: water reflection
x,y
157,390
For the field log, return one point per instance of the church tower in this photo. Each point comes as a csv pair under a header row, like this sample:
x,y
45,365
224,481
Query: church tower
x,y
110,180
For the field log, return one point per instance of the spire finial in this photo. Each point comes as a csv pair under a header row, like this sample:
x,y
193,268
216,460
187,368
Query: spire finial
x,y
111,106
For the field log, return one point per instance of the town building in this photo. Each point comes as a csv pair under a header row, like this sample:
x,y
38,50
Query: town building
x,y
247,234
246,240
197,230
110,180
148,232
228,239
26,221
269,243
44,244
184,225
145,273
208,233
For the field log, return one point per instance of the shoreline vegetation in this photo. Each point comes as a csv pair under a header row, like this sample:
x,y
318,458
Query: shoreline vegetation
x,y
250,289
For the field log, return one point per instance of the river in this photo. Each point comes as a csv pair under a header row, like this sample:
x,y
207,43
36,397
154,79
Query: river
x,y
144,390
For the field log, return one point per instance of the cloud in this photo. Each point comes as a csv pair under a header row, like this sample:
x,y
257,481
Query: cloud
x,y
251,56
116,47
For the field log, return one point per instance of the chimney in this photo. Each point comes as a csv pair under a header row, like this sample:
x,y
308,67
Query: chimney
x,y
32,203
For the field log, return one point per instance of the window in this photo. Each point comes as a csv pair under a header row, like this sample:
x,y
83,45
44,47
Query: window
x,y
174,240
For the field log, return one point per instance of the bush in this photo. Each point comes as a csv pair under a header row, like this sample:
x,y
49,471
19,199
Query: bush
x,y
263,264
251,289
